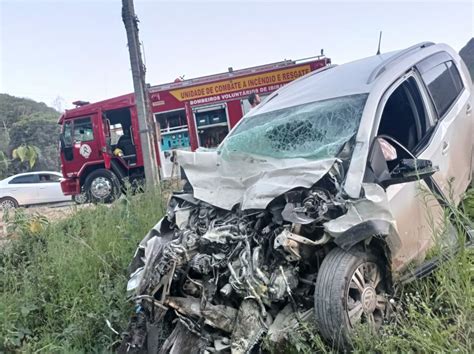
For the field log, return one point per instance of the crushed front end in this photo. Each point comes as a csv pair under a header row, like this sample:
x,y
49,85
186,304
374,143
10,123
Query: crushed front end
x,y
216,280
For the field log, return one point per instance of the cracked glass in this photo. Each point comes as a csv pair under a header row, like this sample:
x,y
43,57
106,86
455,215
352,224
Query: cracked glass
x,y
315,130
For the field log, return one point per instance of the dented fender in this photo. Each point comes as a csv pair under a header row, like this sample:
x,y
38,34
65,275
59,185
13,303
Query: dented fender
x,y
366,217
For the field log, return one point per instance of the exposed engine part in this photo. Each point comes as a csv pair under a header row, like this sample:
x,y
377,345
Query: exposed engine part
x,y
249,329
310,206
222,276
201,263
292,243
218,316
226,290
282,280
286,322
182,217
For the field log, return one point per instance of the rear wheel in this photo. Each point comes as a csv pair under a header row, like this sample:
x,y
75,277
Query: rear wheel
x,y
81,198
102,186
350,290
8,203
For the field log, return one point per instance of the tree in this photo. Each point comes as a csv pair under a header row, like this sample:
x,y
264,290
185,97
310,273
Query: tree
x,y
4,136
30,129
12,109
3,165
39,130
58,104
26,153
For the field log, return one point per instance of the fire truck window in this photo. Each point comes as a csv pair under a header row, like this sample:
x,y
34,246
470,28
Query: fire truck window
x,y
67,133
212,127
83,130
119,120
116,131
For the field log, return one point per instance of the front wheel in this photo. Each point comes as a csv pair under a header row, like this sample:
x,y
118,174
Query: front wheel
x,y
8,203
102,186
350,290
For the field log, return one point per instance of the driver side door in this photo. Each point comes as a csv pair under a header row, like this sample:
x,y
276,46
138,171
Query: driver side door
x,y
406,117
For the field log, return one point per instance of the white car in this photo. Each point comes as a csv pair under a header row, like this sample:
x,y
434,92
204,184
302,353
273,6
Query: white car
x,y
31,188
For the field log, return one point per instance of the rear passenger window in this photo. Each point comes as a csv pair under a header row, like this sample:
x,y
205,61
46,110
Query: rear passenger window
x,y
443,82
24,179
453,70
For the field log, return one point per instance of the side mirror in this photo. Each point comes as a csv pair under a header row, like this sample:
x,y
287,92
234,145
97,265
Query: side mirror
x,y
409,170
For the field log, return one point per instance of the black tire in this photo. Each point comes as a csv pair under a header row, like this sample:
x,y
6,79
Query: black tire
x,y
81,198
8,203
102,186
336,294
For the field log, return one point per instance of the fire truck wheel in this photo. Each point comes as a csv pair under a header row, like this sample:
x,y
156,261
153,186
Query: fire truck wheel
x,y
102,186
81,198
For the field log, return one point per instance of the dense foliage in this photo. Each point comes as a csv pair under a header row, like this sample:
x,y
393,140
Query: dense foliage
x,y
24,122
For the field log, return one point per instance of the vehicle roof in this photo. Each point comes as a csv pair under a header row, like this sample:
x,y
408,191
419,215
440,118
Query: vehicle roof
x,y
32,173
352,78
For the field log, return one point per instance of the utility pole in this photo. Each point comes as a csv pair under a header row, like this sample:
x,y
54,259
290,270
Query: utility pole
x,y
145,118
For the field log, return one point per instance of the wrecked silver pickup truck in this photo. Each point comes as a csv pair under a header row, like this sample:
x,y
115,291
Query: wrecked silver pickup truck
x,y
311,209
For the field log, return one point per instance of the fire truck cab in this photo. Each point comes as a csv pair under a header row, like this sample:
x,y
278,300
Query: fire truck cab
x,y
90,135
100,142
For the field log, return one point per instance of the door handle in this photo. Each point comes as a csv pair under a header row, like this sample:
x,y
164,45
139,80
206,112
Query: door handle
x,y
468,109
445,149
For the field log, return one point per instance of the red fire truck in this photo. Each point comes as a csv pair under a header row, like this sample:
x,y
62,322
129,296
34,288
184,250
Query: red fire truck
x,y
189,114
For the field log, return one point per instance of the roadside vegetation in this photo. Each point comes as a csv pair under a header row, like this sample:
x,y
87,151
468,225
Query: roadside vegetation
x,y
60,283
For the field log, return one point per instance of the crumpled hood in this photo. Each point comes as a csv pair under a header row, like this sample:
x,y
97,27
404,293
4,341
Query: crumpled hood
x,y
251,181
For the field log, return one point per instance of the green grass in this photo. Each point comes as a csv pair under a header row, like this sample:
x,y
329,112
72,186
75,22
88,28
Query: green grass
x,y
58,287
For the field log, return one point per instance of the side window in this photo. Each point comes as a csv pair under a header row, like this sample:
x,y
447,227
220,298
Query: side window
x,y
116,131
67,133
453,70
24,179
442,80
83,130
404,117
48,178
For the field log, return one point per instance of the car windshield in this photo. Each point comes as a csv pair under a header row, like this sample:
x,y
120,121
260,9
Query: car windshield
x,y
315,130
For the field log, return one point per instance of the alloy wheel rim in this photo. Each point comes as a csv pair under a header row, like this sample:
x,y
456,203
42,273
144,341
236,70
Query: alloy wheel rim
x,y
7,204
101,187
366,302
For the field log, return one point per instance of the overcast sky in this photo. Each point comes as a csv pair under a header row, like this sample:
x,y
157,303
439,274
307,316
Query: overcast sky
x,y
76,49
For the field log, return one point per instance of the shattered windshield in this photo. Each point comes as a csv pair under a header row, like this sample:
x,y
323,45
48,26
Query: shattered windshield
x,y
314,130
